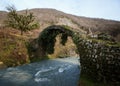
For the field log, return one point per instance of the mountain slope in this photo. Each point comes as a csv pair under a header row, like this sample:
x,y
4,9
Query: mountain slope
x,y
48,17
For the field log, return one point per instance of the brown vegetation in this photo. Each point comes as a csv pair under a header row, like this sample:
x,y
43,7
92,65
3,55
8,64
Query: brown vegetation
x,y
48,17
13,51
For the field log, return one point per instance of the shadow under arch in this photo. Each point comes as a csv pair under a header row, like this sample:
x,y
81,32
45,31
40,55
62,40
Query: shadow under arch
x,y
47,38
44,44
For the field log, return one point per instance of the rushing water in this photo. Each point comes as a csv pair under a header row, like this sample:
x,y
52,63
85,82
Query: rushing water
x,y
57,72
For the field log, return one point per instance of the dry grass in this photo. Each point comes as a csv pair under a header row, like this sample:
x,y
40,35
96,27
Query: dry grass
x,y
48,17
13,51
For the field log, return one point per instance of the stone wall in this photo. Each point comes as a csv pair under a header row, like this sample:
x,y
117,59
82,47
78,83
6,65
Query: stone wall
x,y
100,61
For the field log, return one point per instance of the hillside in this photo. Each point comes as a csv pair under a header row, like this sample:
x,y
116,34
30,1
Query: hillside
x,y
13,45
48,17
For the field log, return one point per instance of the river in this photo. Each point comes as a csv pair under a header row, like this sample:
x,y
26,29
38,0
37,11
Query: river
x,y
55,72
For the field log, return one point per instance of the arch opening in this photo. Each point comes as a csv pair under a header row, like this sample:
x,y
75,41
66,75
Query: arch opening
x,y
47,38
62,51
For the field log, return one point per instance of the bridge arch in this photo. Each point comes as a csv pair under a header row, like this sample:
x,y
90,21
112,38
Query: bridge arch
x,y
47,37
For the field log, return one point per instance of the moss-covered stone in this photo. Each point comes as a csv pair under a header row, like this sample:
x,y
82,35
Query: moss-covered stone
x,y
100,61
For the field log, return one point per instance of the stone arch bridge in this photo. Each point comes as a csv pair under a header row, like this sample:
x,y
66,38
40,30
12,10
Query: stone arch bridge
x,y
99,59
